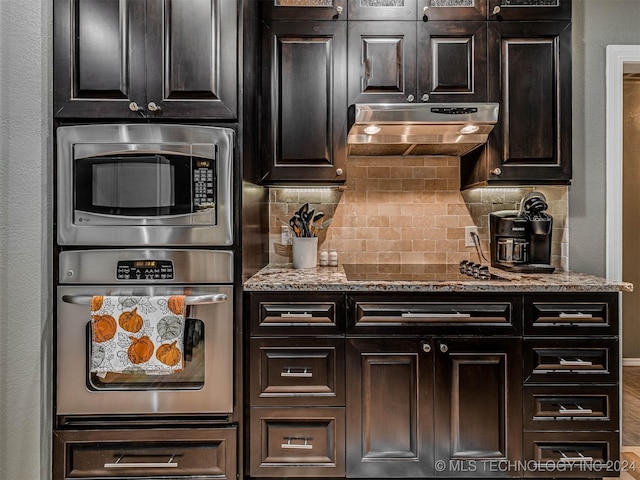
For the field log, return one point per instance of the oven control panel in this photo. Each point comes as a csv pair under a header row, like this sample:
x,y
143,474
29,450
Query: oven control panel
x,y
203,194
144,270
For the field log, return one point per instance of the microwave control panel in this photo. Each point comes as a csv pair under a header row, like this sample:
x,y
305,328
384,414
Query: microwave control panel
x,y
144,270
203,180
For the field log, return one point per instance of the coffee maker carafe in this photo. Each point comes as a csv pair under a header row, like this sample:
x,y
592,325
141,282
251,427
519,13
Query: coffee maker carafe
x,y
521,239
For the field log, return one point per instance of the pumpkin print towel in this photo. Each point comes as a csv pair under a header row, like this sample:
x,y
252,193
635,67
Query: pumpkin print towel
x,y
137,334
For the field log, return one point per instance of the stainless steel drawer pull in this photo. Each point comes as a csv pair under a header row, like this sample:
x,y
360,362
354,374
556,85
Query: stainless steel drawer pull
x,y
189,300
575,315
435,315
300,446
574,411
579,458
296,315
575,363
305,373
119,464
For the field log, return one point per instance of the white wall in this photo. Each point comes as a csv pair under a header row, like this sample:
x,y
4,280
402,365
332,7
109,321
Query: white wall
x,y
596,24
25,236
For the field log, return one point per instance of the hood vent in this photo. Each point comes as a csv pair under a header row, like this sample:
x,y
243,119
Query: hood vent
x,y
407,129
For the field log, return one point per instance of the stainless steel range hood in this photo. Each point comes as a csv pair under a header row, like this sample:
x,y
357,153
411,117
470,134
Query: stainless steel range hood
x,y
407,129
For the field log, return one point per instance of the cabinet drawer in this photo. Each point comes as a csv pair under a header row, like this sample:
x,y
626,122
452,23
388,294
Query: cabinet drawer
x,y
554,315
293,372
297,442
447,314
571,454
205,453
571,408
571,361
296,314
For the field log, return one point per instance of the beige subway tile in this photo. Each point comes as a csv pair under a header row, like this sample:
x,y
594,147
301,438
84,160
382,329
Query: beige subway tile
x,y
400,245
436,184
391,233
423,245
378,197
377,245
414,183
412,257
412,209
365,257
413,233
425,172
378,172
401,171
400,221
435,257
435,233
424,196
446,221
447,246
367,233
426,221
435,209
388,257
412,161
455,234
389,209
377,220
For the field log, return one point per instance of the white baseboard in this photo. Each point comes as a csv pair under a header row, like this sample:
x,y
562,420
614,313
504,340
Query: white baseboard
x,y
631,362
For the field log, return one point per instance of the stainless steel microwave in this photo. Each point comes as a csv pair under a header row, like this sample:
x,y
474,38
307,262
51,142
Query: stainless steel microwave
x,y
144,184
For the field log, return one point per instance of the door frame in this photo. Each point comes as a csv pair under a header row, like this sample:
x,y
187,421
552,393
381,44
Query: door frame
x,y
616,57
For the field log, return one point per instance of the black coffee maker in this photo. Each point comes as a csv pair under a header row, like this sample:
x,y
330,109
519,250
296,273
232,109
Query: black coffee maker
x,y
521,239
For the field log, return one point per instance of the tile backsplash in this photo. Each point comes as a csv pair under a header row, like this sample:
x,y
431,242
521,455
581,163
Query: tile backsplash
x,y
408,210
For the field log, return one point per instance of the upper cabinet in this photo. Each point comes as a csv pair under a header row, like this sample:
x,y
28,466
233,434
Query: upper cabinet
x,y
304,9
145,58
395,61
530,76
303,107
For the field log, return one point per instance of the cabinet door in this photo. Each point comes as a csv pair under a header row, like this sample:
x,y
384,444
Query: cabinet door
x,y
304,110
98,58
529,10
478,404
452,61
304,9
530,75
452,10
389,405
382,62
191,58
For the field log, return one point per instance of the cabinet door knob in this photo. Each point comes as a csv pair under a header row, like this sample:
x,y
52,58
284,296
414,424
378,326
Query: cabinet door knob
x,y
496,171
444,348
425,97
410,98
153,107
426,348
496,10
339,10
339,171
134,107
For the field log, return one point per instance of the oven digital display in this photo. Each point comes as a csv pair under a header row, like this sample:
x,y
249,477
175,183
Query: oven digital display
x,y
145,270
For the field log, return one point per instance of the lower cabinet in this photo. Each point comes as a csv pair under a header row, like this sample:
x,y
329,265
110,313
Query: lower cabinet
x,y
205,453
432,407
425,385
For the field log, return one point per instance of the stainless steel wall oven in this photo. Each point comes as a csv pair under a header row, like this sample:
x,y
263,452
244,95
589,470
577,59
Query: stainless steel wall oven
x,y
144,184
204,384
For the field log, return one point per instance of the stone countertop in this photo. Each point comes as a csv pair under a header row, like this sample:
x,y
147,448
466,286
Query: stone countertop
x,y
285,278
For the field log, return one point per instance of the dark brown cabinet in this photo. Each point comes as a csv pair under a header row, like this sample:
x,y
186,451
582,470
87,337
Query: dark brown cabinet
x,y
441,61
423,10
418,404
477,407
389,408
303,107
295,385
529,66
432,385
206,453
145,58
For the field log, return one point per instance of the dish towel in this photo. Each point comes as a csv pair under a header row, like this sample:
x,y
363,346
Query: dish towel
x,y
137,334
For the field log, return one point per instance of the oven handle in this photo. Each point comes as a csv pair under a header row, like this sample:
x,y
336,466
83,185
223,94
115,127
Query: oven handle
x,y
188,300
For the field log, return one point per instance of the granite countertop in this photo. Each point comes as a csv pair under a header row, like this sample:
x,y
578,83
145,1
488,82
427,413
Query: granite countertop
x,y
285,278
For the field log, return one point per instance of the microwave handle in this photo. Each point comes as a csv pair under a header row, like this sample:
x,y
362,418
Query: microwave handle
x,y
188,300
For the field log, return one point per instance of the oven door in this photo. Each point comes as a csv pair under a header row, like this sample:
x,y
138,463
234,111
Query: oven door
x,y
131,185
204,386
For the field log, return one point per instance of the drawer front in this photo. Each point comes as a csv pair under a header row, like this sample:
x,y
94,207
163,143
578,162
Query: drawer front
x,y
295,313
571,361
595,314
571,454
571,408
447,314
203,453
297,442
296,372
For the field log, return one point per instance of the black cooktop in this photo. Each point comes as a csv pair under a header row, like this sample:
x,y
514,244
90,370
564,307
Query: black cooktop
x,y
432,272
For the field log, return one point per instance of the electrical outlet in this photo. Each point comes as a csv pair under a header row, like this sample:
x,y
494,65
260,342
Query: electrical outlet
x,y
468,237
285,235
